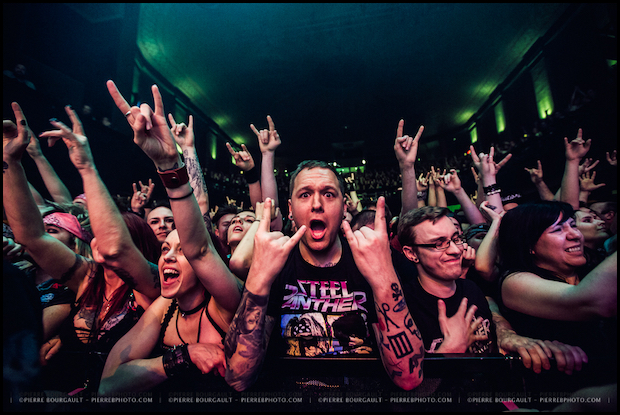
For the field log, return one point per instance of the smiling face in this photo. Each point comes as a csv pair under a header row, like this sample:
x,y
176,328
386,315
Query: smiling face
x,y
176,275
560,247
591,227
317,202
444,266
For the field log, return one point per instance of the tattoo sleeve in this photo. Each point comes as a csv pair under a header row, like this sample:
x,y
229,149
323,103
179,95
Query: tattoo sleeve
x,y
246,343
194,172
69,273
399,340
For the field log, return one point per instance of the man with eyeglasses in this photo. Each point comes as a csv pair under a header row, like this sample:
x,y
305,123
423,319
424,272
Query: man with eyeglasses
x,y
451,313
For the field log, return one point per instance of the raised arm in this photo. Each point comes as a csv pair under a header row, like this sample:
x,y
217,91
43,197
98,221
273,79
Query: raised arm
x,y
141,198
268,142
371,252
245,162
57,189
487,253
574,152
406,150
112,242
152,135
248,337
536,175
22,212
184,136
452,183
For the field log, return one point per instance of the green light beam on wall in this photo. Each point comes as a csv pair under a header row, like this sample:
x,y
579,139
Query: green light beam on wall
x,y
500,117
544,99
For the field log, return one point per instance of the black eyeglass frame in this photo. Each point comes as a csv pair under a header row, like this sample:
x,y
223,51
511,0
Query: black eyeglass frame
x,y
436,244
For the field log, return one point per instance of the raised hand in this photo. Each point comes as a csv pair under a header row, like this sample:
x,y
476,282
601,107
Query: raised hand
x,y
577,148
271,250
587,165
151,131
536,174
268,140
450,182
141,197
406,147
243,158
74,139
586,182
15,138
183,134
370,246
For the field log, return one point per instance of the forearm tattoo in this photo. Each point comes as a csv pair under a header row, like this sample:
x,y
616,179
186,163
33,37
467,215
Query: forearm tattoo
x,y
247,339
69,273
196,178
399,345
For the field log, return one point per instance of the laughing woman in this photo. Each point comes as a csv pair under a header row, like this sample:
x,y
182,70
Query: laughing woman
x,y
541,292
178,340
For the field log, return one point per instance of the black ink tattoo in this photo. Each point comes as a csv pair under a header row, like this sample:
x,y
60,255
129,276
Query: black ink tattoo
x,y
176,166
417,360
409,323
195,173
400,344
385,308
124,275
69,273
155,275
395,373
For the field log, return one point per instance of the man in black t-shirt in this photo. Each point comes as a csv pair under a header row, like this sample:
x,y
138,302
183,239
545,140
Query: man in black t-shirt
x,y
438,298
318,294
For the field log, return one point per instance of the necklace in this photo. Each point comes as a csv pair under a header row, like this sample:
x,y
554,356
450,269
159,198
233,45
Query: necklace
x,y
193,310
203,304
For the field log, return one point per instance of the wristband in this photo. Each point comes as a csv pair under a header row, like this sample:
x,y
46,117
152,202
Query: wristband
x,y
252,175
491,188
191,192
174,178
177,362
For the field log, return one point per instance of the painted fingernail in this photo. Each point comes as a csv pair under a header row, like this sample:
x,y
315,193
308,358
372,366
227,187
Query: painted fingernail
x,y
53,120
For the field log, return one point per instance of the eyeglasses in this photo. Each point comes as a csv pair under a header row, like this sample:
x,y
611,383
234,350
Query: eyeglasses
x,y
442,245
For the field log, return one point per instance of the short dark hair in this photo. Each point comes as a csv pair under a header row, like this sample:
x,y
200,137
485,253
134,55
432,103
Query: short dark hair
x,y
522,226
412,218
224,210
311,164
366,217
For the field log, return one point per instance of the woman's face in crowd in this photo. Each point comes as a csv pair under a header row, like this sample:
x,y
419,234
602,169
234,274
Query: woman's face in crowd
x,y
592,227
62,235
175,273
560,247
239,225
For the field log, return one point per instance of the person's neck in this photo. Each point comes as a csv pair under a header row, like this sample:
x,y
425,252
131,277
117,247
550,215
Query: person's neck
x,y
568,275
191,300
322,259
438,288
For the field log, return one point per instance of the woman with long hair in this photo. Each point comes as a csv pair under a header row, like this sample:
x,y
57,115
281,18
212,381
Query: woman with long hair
x,y
113,289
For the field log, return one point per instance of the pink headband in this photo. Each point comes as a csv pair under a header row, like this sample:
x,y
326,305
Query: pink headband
x,y
69,223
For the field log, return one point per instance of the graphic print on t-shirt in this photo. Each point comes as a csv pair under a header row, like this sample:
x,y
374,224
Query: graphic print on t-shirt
x,y
323,318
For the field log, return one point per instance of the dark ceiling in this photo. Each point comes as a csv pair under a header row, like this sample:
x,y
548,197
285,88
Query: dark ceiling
x,y
340,76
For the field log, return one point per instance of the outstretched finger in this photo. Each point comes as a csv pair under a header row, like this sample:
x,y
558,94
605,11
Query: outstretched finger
x,y
190,123
380,223
120,102
294,240
157,101
20,120
255,130
419,134
265,225
505,160
230,149
135,188
75,120
173,124
272,126
399,130
474,156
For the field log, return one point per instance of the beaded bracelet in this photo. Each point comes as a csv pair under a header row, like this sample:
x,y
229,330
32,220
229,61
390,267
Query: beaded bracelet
x,y
493,192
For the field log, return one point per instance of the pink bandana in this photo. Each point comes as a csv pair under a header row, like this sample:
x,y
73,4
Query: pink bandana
x,y
69,223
